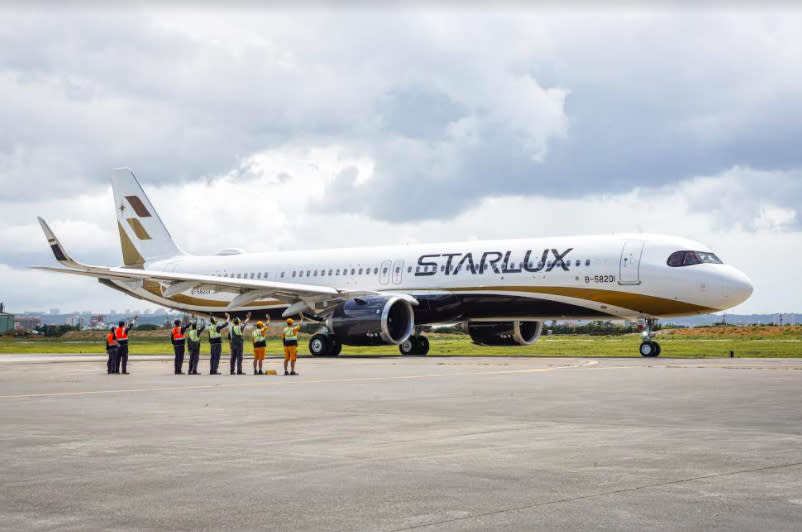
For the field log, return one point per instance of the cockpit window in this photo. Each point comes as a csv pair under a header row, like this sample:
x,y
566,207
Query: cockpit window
x,y
689,258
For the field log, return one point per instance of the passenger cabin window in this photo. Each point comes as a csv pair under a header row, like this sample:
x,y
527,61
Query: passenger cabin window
x,y
690,258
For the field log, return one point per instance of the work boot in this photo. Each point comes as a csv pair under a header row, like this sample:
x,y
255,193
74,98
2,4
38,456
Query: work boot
x,y
286,372
293,373
126,373
179,372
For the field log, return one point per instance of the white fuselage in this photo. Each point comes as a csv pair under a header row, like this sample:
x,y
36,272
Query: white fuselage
x,y
625,276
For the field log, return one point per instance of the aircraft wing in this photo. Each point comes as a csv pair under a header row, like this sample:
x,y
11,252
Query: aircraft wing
x,y
301,297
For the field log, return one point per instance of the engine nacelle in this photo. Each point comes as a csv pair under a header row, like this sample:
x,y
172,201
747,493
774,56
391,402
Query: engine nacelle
x,y
373,320
505,333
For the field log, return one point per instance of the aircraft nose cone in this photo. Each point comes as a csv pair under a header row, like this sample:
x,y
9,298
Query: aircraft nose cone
x,y
737,287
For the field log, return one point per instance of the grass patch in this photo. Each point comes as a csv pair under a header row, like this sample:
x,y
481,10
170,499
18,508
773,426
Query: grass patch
x,y
685,345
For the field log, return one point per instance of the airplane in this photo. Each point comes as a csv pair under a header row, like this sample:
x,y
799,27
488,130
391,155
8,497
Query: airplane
x,y
499,291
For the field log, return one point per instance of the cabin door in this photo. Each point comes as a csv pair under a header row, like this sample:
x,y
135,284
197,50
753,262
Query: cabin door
x,y
629,268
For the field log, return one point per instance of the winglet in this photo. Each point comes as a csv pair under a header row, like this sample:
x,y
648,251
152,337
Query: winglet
x,y
58,250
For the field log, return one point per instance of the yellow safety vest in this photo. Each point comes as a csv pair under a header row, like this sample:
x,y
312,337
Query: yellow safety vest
x,y
193,335
257,336
289,333
213,333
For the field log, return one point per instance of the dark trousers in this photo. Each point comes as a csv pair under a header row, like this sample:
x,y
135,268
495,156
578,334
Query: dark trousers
x,y
122,357
194,356
179,357
217,350
111,363
236,356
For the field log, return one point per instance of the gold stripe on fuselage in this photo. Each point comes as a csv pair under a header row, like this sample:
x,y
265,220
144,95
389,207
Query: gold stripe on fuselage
x,y
642,304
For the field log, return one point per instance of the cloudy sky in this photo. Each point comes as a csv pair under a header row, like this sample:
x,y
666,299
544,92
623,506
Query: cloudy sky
x,y
282,129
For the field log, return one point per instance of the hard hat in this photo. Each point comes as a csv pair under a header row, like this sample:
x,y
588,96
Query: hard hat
x,y
260,324
289,321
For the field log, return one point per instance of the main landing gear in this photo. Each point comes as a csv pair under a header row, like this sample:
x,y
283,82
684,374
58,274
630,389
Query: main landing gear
x,y
415,345
649,348
324,345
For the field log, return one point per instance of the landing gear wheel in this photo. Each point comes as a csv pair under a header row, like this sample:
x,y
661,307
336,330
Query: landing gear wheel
x,y
649,349
414,345
408,346
423,345
657,347
335,347
319,345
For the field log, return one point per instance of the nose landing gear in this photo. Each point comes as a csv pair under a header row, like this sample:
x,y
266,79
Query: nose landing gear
x,y
649,348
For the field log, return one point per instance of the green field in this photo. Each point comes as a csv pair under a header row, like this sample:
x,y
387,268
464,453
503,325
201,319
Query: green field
x,y
786,346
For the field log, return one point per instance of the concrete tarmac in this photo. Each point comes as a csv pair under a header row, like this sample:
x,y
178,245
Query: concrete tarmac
x,y
428,443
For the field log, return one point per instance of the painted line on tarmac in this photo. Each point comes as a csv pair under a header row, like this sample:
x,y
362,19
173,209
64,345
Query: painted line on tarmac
x,y
269,382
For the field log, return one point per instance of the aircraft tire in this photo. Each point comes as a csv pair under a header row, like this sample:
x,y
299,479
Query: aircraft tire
x,y
649,349
335,347
658,348
319,345
408,347
423,345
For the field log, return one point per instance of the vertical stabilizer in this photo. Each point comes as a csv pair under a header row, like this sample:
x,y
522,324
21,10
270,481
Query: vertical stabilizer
x,y
143,236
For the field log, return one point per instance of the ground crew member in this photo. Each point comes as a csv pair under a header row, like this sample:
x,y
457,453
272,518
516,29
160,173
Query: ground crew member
x,y
290,338
235,333
121,335
194,343
215,343
177,338
259,339
111,349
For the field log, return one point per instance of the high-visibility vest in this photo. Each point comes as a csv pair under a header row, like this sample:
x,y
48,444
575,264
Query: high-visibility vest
x,y
213,332
257,336
177,334
120,334
289,333
193,335
110,340
236,330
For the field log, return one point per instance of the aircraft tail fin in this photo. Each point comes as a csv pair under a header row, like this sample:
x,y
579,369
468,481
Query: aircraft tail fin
x,y
143,235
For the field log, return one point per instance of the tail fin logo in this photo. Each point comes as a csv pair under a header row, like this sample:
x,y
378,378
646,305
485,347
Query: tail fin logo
x,y
139,207
139,229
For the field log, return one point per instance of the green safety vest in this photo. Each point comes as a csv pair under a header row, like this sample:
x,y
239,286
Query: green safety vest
x,y
236,330
289,333
257,336
213,331
193,335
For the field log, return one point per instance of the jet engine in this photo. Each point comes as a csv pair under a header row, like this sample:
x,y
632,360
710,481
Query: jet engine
x,y
495,333
373,320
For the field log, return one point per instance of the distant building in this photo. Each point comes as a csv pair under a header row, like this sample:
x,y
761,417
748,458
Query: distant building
x,y
6,320
27,323
96,320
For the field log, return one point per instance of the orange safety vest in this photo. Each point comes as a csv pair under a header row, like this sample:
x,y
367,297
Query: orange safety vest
x,y
120,333
110,340
177,334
